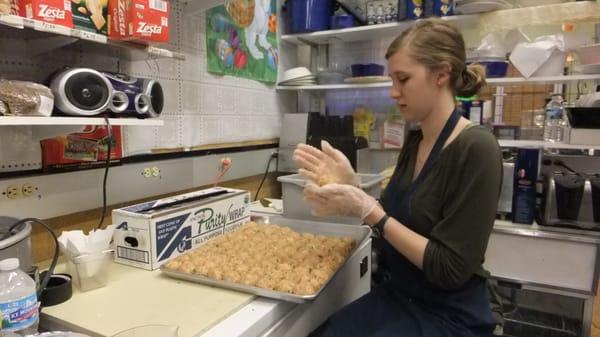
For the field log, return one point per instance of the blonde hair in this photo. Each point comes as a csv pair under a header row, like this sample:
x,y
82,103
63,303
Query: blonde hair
x,y
431,42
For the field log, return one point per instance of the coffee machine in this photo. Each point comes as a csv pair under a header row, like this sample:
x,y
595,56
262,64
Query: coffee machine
x,y
571,193
313,127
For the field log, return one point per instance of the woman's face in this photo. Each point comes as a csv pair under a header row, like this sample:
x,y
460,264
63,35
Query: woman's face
x,y
414,88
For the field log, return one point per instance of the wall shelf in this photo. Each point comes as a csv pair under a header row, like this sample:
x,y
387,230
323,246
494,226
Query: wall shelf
x,y
581,11
77,34
545,145
61,121
504,81
371,32
542,79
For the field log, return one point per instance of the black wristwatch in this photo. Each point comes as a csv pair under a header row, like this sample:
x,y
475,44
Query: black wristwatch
x,y
379,226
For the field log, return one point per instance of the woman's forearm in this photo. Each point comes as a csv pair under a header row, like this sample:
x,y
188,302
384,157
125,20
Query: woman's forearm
x,y
406,241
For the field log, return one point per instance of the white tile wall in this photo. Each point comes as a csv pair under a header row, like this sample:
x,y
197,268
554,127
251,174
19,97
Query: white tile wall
x,y
200,108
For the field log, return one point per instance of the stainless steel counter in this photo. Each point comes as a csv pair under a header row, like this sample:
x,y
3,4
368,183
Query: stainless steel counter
x,y
554,260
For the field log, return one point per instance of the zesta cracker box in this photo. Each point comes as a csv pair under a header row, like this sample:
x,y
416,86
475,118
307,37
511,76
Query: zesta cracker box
x,y
139,20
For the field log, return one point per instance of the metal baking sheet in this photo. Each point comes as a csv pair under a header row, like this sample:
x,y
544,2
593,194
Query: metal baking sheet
x,y
359,233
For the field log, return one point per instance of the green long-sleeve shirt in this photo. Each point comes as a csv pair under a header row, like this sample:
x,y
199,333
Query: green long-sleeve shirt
x,y
455,205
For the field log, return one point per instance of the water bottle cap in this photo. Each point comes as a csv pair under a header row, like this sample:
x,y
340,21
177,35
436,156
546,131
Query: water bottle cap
x,y
9,264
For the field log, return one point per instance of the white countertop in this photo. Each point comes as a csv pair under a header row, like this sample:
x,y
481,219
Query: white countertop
x,y
135,297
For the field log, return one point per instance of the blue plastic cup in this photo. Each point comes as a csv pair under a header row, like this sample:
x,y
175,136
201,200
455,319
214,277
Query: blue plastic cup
x,y
310,15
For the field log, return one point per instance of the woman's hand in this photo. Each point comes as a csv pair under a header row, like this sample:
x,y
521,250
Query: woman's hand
x,y
324,167
338,199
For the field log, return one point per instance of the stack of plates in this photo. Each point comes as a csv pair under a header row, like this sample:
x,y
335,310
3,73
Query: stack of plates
x,y
297,77
480,6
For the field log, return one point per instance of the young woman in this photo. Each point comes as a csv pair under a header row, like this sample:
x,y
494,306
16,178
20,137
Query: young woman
x,y
437,212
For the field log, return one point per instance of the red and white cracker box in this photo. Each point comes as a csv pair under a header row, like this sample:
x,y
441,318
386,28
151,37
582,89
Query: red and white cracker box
x,y
139,20
57,12
117,19
148,20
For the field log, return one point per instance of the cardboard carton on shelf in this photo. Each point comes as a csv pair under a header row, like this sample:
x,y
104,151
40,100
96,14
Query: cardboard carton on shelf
x,y
86,149
141,21
90,15
57,12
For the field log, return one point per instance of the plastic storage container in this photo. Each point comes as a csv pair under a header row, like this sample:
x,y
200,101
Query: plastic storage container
x,y
153,330
89,270
494,67
19,306
310,15
294,205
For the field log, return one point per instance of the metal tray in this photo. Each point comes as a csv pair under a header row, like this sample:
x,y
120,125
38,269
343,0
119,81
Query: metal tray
x,y
359,233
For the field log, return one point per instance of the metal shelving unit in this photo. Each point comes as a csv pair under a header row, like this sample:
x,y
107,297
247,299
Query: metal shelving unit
x,y
364,33
545,145
77,34
61,121
504,81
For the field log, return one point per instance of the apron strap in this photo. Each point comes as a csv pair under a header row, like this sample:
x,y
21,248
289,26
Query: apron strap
x,y
433,156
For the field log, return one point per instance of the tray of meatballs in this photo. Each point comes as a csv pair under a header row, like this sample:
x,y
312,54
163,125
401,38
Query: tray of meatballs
x,y
280,258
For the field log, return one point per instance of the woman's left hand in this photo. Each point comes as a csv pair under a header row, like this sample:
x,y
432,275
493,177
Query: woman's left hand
x,y
339,199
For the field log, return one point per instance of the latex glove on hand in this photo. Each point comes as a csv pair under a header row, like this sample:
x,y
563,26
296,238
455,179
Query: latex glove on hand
x,y
324,167
339,200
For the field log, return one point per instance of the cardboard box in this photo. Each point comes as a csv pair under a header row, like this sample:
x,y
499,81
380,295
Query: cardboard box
x,y
147,238
90,15
139,20
117,19
57,12
9,7
86,149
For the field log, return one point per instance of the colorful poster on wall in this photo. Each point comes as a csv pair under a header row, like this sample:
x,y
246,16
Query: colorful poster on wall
x,y
241,39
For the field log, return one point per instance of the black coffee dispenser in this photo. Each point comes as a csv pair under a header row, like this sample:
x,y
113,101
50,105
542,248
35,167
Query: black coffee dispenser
x,y
595,183
569,193
572,199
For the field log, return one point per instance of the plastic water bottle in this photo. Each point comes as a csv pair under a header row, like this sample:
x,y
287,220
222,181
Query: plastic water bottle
x,y
553,129
19,306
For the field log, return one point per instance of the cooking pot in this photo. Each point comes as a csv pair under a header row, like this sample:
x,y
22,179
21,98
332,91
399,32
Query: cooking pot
x,y
18,244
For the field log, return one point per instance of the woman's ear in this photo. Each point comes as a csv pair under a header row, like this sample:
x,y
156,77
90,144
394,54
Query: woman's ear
x,y
443,74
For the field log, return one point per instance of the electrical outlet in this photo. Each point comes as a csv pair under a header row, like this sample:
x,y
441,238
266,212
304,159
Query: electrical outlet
x,y
13,192
28,189
155,171
147,173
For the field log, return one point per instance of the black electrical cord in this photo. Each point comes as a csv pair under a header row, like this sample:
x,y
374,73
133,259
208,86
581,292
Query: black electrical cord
x,y
559,162
11,231
109,148
273,156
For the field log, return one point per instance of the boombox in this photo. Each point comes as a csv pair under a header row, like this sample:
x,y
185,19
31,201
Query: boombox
x,y
136,96
87,92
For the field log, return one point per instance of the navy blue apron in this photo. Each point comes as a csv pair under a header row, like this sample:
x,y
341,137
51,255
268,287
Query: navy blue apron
x,y
407,304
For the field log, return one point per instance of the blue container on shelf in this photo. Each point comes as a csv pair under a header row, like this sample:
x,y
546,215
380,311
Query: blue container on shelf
x,y
443,7
310,15
358,70
342,21
494,67
373,69
415,9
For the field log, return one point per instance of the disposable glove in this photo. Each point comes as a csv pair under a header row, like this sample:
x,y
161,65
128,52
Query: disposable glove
x,y
339,200
326,166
